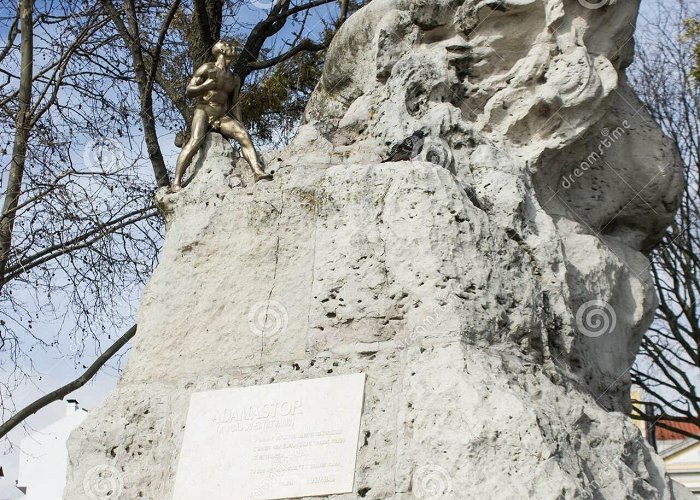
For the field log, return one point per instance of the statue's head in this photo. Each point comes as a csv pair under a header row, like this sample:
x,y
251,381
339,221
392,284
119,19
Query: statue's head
x,y
226,48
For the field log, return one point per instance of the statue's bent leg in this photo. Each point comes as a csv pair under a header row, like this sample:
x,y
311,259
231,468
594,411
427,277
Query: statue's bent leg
x,y
232,129
200,125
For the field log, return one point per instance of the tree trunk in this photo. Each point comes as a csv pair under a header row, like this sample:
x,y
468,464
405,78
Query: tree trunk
x,y
205,29
130,34
146,94
22,129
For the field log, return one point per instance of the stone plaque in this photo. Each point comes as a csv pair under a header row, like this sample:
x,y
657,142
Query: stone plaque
x,y
264,442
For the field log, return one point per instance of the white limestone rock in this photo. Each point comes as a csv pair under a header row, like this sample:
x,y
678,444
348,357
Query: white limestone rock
x,y
460,282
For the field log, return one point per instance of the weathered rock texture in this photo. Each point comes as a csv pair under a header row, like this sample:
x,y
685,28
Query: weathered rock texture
x,y
461,282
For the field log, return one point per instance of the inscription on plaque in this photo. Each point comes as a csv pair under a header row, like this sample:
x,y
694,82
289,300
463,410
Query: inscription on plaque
x,y
265,442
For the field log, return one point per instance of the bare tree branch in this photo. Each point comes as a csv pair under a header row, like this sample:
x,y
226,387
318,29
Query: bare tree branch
x,y
304,45
63,391
22,130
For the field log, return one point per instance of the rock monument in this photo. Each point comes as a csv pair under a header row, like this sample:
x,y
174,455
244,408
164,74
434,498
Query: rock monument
x,y
493,289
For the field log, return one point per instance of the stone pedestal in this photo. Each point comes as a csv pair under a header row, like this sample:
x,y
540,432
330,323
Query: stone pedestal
x,y
494,298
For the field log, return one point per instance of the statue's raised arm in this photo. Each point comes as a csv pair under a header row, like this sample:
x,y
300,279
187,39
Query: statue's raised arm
x,y
215,90
200,84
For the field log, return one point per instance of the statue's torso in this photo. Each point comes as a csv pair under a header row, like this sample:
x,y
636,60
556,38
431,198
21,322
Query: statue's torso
x,y
216,100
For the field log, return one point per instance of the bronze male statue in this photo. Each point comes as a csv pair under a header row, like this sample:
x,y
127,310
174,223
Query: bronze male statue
x,y
215,90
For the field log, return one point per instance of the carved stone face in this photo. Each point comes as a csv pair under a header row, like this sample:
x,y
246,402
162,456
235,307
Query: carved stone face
x,y
526,103
543,82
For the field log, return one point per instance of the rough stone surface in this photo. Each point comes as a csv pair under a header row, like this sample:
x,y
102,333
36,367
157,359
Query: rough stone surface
x,y
459,282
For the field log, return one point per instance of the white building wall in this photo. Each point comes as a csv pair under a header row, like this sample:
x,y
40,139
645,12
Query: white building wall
x,y
43,457
683,465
